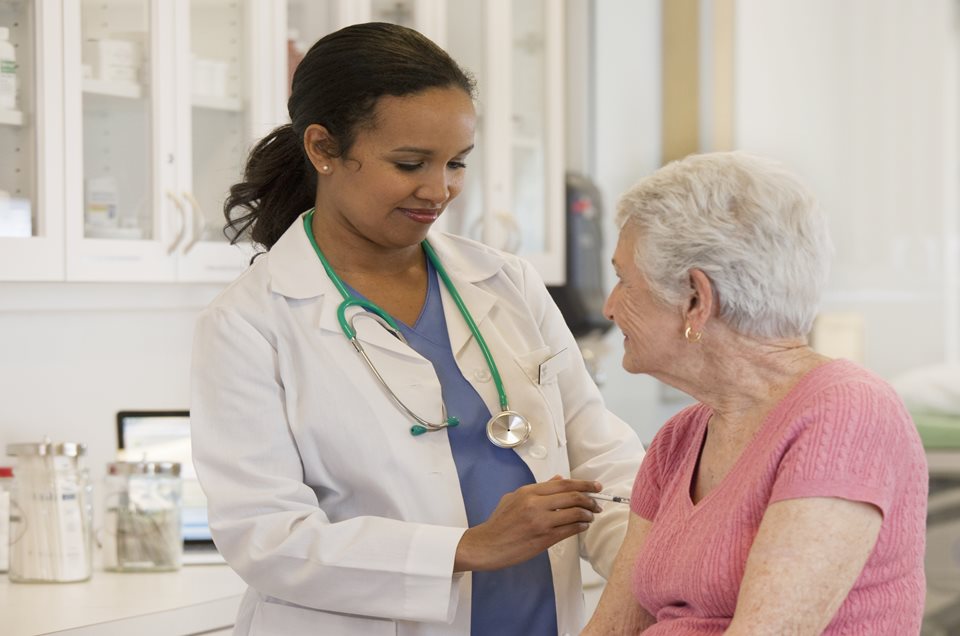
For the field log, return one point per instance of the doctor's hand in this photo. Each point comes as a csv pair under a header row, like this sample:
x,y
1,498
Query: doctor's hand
x,y
526,522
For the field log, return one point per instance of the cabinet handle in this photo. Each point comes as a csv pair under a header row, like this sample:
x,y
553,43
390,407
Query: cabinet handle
x,y
182,215
199,222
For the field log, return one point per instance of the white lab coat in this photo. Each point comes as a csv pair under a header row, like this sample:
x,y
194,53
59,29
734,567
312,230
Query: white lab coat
x,y
339,519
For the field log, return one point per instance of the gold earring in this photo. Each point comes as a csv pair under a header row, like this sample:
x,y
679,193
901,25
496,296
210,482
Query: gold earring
x,y
696,336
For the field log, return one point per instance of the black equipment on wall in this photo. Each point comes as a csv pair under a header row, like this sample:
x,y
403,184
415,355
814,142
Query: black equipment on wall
x,y
581,298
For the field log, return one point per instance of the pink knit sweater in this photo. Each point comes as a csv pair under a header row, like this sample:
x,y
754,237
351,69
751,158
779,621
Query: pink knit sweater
x,y
841,432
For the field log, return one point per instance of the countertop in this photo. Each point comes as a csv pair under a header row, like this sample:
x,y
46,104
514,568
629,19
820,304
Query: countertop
x,y
196,599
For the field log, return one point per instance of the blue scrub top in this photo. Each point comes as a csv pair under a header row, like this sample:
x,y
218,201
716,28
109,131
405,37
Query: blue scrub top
x,y
517,600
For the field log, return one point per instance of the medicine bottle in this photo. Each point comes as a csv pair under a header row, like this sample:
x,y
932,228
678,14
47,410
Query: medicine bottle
x,y
51,514
8,71
141,530
6,484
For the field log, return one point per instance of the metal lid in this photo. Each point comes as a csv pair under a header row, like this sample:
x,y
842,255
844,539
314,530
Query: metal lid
x,y
67,449
168,469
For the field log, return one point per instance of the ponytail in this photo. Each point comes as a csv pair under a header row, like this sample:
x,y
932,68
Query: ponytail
x,y
277,187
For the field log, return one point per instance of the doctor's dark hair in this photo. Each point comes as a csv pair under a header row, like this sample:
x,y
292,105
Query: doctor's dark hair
x,y
336,85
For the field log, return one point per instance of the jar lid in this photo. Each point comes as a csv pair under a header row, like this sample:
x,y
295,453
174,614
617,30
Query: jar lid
x,y
170,469
68,449
6,471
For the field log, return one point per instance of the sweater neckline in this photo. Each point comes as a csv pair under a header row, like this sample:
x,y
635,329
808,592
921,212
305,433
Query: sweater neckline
x,y
808,382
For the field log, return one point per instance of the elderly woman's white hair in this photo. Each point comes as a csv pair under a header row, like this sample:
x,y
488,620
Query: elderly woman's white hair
x,y
748,224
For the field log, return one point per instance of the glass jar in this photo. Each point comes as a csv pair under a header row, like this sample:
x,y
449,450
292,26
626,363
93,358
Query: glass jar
x,y
51,514
6,484
142,529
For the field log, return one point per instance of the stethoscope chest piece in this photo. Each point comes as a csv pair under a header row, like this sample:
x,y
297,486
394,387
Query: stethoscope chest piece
x,y
508,429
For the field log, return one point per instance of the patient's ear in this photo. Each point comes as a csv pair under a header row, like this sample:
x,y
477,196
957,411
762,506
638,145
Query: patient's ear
x,y
700,304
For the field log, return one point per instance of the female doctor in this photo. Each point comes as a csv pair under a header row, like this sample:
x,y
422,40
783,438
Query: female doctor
x,y
393,427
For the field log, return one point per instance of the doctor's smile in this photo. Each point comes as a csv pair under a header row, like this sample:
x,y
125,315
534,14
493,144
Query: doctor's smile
x,y
421,215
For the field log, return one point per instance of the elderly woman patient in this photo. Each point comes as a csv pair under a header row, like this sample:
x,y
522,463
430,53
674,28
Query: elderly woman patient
x,y
792,498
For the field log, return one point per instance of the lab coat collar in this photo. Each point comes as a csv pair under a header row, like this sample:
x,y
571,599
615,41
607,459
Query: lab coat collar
x,y
295,270
296,273
467,263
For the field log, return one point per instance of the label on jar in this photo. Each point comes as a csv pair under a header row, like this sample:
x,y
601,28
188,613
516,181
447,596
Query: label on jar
x,y
8,84
74,559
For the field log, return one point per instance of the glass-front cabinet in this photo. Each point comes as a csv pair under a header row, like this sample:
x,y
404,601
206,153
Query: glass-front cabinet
x,y
513,198
160,113
123,124
31,130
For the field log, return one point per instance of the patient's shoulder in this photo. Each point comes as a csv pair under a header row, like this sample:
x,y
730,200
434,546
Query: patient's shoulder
x,y
677,435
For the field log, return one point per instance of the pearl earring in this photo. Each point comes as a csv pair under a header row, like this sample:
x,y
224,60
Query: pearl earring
x,y
324,168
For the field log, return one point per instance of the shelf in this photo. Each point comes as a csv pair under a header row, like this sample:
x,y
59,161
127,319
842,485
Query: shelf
x,y
231,104
112,233
128,90
11,117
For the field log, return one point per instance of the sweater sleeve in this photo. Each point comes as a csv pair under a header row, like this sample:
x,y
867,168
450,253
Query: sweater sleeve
x,y
846,445
645,497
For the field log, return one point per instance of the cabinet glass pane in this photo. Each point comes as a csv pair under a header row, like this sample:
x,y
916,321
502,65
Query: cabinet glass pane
x,y
528,110
393,11
310,20
18,133
307,22
219,110
117,120
465,216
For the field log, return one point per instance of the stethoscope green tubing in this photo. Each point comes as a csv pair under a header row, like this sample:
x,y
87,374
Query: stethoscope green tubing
x,y
349,301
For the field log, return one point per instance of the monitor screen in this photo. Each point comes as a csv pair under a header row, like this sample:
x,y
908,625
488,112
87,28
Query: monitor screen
x,y
164,436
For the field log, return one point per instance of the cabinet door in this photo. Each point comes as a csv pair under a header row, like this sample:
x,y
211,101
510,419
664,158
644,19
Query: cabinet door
x,y
228,53
514,197
122,220
31,129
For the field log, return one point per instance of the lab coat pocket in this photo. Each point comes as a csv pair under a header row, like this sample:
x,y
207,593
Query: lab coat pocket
x,y
541,367
278,619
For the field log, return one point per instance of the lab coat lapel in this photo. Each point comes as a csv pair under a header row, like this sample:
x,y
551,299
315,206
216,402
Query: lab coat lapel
x,y
478,303
296,272
465,271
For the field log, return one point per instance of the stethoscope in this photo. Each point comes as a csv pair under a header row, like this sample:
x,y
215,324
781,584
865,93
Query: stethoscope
x,y
506,429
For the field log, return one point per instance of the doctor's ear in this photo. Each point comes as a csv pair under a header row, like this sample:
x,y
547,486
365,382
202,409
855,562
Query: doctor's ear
x,y
321,148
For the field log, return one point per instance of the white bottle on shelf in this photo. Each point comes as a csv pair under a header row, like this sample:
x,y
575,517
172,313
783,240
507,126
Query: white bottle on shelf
x,y
8,71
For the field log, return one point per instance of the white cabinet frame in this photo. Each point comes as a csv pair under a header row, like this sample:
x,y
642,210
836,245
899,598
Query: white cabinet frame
x,y
41,257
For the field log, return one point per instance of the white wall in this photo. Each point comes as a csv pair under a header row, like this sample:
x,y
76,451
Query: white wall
x,y
72,355
860,97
